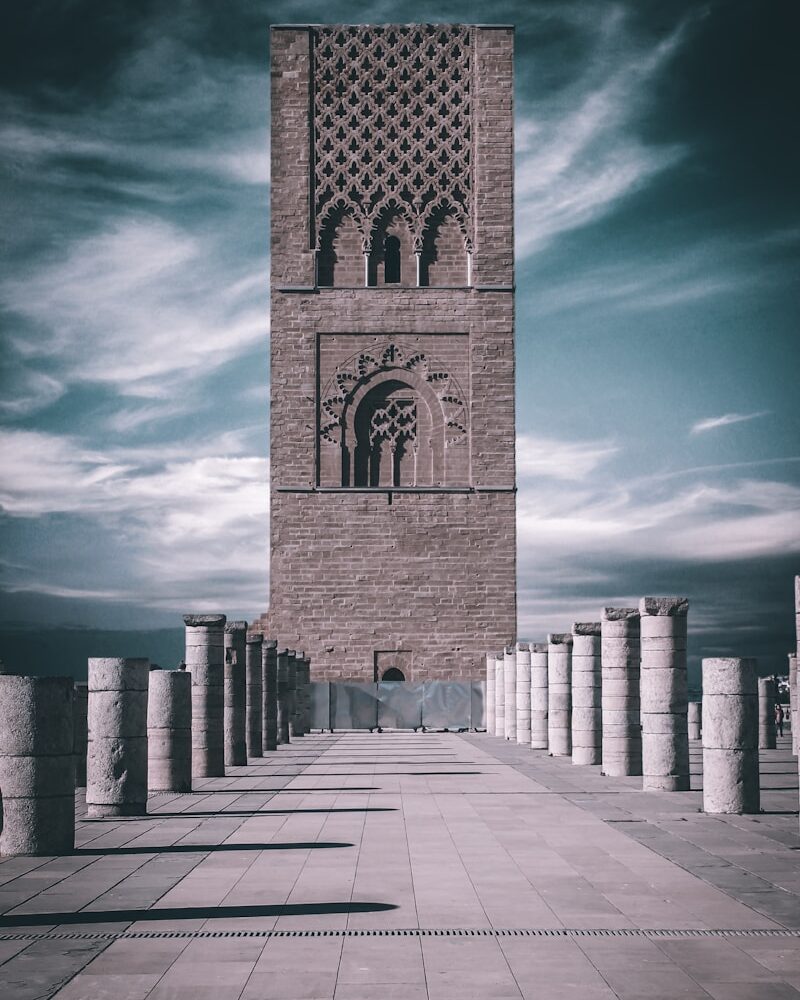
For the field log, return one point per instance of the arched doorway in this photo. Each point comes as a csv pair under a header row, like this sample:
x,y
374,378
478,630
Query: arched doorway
x,y
393,674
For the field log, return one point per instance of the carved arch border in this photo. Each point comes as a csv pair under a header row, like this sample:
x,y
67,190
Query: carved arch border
x,y
365,369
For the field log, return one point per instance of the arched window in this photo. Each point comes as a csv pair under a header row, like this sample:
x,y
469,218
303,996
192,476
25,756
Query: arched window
x,y
387,425
391,261
393,674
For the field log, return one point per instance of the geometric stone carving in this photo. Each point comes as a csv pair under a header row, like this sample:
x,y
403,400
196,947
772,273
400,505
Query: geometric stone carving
x,y
392,128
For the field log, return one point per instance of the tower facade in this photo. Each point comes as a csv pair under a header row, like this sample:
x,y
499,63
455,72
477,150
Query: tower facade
x,y
393,544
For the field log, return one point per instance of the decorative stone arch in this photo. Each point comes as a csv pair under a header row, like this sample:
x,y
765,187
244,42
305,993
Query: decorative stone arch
x,y
392,244
383,400
445,247
340,246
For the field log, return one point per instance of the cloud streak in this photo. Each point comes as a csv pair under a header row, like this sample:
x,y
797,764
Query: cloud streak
x,y
712,423
578,153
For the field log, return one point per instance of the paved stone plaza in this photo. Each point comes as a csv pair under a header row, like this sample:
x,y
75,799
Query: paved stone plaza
x,y
415,865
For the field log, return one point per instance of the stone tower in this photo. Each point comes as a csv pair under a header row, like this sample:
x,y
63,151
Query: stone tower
x,y
393,541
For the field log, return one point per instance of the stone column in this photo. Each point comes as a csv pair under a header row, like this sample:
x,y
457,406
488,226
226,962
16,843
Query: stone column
x,y
269,689
538,695
695,720
490,720
730,736
767,736
80,730
523,694
499,695
284,705
587,719
205,657
295,724
169,731
254,722
793,699
510,681
235,684
559,694
116,768
665,694
37,765
621,706
306,694
301,694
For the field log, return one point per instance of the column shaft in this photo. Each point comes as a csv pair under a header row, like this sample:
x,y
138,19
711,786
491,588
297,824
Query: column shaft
x,y
523,694
80,720
499,695
235,683
205,655
730,736
284,704
510,681
37,765
539,690
587,725
169,731
559,694
665,694
254,696
116,767
489,703
269,687
695,720
621,706
767,736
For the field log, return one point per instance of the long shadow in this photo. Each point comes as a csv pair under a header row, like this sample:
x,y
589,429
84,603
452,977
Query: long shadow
x,y
274,791
372,774
191,913
211,848
239,812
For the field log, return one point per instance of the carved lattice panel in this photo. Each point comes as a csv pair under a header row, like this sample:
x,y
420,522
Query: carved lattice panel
x,y
392,128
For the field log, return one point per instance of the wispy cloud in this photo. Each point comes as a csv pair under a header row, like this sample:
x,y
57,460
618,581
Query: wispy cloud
x,y
712,423
133,306
567,460
578,153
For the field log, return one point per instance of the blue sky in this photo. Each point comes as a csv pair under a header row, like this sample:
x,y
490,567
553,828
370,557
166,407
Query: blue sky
x,y
658,231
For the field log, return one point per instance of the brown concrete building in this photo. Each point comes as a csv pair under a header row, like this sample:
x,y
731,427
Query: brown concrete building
x,y
392,421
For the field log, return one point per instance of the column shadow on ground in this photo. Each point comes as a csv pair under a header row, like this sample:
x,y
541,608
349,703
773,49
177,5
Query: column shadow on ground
x,y
191,913
189,814
210,848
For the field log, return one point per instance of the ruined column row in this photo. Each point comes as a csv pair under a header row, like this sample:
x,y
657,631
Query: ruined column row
x,y
615,693
134,729
612,692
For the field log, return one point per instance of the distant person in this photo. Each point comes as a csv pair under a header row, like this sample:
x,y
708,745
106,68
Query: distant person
x,y
779,714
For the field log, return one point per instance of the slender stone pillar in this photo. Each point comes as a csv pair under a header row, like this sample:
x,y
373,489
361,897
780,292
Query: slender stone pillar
x,y
538,695
499,695
295,723
665,694
169,731
306,694
269,688
284,704
254,693
694,720
80,721
767,737
559,694
490,720
621,706
510,681
235,684
730,736
587,717
793,699
205,655
116,768
523,693
37,765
